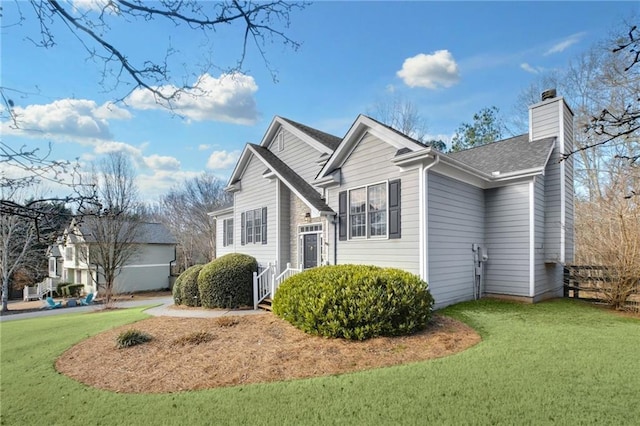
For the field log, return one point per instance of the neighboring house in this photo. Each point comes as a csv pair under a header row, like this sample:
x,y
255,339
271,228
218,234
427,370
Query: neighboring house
x,y
491,220
148,269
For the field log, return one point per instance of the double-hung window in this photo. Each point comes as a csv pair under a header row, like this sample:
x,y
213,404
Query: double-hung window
x,y
377,210
227,231
371,211
253,226
249,227
368,211
358,213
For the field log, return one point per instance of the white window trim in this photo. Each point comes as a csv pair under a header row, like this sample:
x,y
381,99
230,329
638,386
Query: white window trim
x,y
367,237
253,227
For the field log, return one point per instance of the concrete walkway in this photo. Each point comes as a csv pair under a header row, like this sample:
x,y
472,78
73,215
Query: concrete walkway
x,y
163,310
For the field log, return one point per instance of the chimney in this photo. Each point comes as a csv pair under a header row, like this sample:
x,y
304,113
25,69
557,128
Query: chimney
x,y
548,94
552,118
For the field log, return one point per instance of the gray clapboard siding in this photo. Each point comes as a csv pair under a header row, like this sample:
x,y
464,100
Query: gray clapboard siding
x,y
298,155
552,209
256,192
371,163
507,239
456,221
286,235
541,278
149,270
569,187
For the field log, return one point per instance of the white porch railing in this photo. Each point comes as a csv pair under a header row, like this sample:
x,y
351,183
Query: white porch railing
x,y
288,272
266,283
262,281
47,286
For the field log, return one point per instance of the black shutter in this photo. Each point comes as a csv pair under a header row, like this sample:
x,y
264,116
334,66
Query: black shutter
x,y
242,230
342,216
394,209
224,233
264,225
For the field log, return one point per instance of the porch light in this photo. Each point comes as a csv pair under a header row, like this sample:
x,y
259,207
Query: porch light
x,y
307,217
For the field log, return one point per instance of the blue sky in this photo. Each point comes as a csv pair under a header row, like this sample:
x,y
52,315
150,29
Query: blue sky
x,y
449,59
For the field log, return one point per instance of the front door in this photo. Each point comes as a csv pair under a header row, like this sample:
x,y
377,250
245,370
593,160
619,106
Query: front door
x,y
309,251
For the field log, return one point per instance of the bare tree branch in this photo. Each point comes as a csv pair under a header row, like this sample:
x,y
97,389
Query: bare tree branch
x,y
260,21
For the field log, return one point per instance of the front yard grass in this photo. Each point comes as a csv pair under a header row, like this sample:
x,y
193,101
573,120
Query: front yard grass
x,y
558,362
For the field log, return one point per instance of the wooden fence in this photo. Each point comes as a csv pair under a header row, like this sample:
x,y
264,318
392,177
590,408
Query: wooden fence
x,y
590,283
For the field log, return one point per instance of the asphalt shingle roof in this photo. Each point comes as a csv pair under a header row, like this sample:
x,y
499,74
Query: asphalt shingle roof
x,y
147,233
509,155
328,140
303,187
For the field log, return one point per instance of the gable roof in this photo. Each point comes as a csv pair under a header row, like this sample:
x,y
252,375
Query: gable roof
x,y
299,186
320,141
507,156
328,140
146,233
362,125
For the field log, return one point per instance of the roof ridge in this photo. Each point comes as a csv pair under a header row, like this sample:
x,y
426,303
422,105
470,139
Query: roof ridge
x,y
491,143
333,141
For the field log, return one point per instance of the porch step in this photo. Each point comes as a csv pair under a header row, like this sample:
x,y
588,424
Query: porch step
x,y
266,304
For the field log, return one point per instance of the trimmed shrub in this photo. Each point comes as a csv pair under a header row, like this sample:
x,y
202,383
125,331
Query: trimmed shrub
x,y
354,301
131,338
176,291
188,286
60,287
227,282
72,290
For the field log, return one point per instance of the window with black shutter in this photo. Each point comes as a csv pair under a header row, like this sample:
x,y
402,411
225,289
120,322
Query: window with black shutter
x,y
264,225
394,209
243,232
253,226
342,216
224,233
371,211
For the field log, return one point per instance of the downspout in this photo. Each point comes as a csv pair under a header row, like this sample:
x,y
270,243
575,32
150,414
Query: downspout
x,y
334,221
175,257
424,220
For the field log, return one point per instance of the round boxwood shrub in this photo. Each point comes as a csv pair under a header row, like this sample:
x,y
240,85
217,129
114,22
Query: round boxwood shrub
x,y
227,282
188,286
176,291
354,301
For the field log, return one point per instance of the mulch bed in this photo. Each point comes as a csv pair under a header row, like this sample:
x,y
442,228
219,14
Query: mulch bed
x,y
242,350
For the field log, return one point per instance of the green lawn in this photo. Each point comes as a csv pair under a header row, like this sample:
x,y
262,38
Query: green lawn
x,y
555,362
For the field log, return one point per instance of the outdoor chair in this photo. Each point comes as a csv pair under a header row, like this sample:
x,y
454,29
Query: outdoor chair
x,y
87,300
51,304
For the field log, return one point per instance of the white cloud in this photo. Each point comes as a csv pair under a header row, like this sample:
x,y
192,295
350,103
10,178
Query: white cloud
x,y
158,183
203,147
162,162
66,119
531,69
112,146
565,44
438,69
222,159
227,99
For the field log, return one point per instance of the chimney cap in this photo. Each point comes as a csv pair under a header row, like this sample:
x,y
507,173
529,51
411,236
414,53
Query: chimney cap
x,y
548,94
